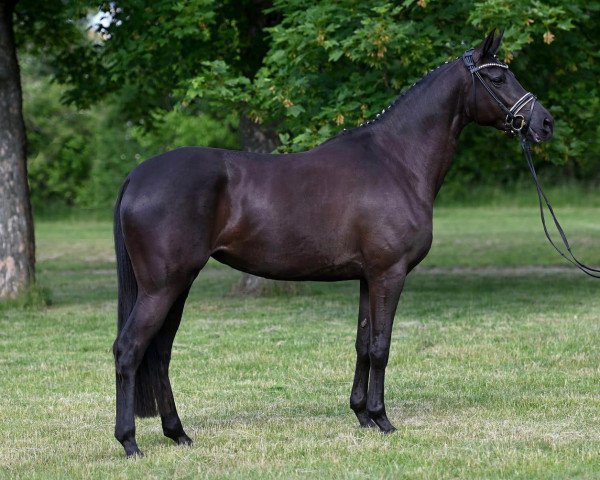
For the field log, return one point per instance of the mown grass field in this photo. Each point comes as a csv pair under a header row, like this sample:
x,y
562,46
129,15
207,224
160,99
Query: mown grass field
x,y
494,369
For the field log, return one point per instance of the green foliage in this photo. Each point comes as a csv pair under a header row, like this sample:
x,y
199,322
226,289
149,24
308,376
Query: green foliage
x,y
178,129
59,148
51,27
307,69
333,65
80,157
149,52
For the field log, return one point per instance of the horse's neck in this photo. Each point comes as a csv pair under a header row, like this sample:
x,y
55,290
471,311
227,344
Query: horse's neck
x,y
422,130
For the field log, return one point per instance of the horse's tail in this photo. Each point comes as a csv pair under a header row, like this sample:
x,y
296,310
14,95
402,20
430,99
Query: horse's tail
x,y
146,378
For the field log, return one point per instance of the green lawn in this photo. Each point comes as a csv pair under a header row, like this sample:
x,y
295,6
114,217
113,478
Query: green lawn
x,y
494,370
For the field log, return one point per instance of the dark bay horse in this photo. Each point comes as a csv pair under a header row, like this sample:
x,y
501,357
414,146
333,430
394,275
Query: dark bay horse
x,y
357,207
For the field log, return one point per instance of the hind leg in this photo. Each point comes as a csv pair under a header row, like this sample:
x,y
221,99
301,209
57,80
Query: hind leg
x,y
145,320
171,424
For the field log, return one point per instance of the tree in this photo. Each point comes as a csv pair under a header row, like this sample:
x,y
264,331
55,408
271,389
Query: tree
x,y
23,24
17,254
146,53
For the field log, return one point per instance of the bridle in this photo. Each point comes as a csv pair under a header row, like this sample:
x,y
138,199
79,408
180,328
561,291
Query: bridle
x,y
514,124
514,121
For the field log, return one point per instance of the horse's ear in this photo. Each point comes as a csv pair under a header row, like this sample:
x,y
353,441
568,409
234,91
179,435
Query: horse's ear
x,y
489,46
496,43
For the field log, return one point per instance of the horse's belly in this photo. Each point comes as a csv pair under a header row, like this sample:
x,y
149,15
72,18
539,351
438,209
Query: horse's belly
x,y
291,264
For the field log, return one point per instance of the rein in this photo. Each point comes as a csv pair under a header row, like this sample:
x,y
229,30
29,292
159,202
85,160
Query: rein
x,y
542,198
514,124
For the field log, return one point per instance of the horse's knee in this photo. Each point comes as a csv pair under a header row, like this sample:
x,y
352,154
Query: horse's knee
x,y
362,350
358,401
378,356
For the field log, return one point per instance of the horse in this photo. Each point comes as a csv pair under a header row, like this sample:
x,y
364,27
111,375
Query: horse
x,y
356,207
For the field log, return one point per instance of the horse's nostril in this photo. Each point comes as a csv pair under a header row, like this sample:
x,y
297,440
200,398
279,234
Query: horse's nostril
x,y
547,123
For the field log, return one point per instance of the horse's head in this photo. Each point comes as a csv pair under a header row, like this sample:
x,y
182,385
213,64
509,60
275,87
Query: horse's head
x,y
496,98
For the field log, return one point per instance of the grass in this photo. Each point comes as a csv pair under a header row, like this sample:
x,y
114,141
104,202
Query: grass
x,y
520,194
494,370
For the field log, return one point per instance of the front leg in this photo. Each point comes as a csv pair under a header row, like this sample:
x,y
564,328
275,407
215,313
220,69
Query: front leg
x,y
358,398
384,293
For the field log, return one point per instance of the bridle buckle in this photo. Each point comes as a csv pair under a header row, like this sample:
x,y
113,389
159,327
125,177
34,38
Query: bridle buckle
x,y
516,123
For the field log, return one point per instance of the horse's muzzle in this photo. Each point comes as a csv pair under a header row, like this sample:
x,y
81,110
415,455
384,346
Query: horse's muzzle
x,y
541,127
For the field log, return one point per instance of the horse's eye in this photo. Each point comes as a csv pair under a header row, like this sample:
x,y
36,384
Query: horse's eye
x,y
497,81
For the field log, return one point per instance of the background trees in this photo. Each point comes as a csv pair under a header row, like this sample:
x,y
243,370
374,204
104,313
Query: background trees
x,y
107,86
298,71
336,64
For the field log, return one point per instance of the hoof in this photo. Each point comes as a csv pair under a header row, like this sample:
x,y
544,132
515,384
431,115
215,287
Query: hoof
x,y
384,424
179,437
364,420
131,449
184,440
134,453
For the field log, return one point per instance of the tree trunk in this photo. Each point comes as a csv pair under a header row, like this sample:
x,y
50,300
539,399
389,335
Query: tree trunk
x,y
255,138
17,251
